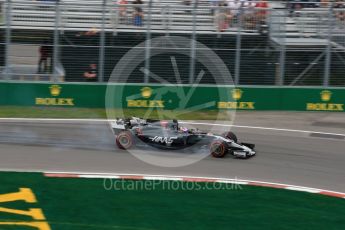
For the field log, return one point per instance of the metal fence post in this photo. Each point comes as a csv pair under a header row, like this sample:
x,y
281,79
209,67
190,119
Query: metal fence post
x,y
238,47
115,17
328,48
102,45
166,14
169,20
56,42
148,45
8,38
193,44
282,57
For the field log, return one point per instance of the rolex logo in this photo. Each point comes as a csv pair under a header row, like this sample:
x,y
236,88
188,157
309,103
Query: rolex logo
x,y
236,94
146,92
326,95
55,90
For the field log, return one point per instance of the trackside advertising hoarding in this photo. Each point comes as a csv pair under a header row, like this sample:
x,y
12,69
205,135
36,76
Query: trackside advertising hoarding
x,y
173,97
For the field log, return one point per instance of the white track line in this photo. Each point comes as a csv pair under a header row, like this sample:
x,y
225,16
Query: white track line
x,y
182,122
264,128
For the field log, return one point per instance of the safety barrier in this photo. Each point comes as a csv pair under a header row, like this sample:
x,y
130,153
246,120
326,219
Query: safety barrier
x,y
170,97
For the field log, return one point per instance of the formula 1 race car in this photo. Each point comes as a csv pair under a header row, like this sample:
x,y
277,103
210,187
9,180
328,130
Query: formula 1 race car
x,y
168,135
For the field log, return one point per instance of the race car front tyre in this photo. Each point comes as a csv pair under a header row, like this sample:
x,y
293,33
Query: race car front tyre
x,y
218,149
124,140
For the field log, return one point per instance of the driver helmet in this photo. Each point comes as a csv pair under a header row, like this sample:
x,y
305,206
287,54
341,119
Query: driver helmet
x,y
184,129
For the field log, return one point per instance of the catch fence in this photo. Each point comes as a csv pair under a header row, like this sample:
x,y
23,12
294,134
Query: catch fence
x,y
278,43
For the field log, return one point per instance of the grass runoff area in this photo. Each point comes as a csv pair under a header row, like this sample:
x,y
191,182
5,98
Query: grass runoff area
x,y
87,204
94,113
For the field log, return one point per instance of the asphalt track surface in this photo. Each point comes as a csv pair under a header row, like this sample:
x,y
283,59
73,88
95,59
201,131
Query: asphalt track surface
x,y
298,158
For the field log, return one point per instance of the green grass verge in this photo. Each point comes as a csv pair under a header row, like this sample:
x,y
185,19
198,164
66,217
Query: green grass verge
x,y
94,113
84,204
44,112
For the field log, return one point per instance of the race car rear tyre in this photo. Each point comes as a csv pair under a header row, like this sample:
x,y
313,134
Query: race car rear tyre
x,y
230,135
218,149
124,140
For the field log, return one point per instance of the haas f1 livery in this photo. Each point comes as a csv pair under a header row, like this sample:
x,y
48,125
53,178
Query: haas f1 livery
x,y
168,135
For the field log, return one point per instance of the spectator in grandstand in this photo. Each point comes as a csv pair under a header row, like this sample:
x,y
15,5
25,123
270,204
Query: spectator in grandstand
x,y
223,17
244,11
138,13
248,14
91,74
234,5
339,8
261,10
323,3
296,5
293,6
123,11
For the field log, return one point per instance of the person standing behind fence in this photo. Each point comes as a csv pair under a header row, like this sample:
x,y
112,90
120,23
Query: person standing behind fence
x,y
138,13
44,54
90,75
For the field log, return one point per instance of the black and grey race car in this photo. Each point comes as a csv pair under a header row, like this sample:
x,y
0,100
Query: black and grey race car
x,y
169,135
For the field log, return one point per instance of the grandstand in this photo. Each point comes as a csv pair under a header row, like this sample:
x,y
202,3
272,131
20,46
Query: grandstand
x,y
166,16
288,49
74,15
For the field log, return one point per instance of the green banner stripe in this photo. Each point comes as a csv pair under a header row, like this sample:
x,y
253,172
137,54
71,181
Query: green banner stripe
x,y
172,97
